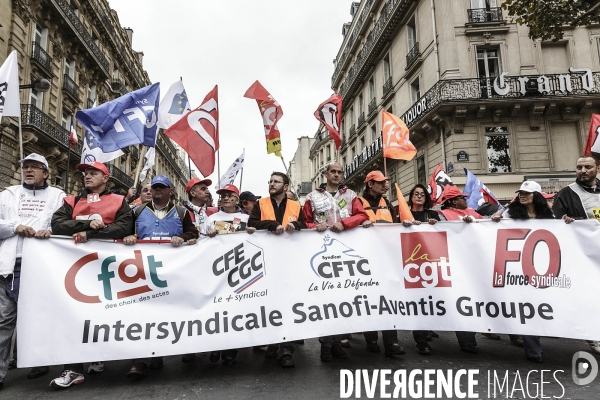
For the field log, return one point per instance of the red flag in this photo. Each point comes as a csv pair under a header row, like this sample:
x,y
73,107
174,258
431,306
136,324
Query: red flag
x,y
72,135
198,133
396,143
330,114
437,183
592,145
271,113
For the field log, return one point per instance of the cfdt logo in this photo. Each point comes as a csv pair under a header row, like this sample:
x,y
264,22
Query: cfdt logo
x,y
532,252
336,260
425,260
125,277
244,265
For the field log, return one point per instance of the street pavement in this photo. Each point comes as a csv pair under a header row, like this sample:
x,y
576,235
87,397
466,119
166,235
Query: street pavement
x,y
254,377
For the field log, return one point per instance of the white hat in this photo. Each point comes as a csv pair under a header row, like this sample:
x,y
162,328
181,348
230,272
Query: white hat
x,y
35,157
530,187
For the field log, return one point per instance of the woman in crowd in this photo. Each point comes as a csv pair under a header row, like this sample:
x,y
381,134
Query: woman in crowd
x,y
529,204
420,205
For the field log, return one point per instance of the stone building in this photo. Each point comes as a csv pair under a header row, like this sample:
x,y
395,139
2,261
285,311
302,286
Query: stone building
x,y
81,48
299,169
474,90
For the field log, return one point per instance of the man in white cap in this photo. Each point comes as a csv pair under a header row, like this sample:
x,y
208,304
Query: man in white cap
x,y
25,212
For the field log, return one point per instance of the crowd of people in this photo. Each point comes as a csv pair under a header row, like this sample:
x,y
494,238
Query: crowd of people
x,y
98,213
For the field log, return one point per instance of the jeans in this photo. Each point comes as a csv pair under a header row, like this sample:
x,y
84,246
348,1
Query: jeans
x,y
389,337
466,338
8,316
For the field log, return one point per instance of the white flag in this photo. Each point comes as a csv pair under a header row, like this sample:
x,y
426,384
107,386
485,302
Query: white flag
x,y
173,106
231,172
9,87
149,163
91,152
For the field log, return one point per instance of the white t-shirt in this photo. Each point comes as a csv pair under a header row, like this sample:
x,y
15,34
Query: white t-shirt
x,y
227,222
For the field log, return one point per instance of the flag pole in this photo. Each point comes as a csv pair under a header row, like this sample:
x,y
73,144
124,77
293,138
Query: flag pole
x,y
138,170
68,166
219,167
21,148
242,174
190,166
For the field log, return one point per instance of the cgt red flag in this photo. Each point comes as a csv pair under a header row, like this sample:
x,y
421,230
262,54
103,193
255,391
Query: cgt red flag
x,y
437,184
271,113
330,114
198,133
592,145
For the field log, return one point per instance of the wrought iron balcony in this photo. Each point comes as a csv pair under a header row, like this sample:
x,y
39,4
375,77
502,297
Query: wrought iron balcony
x,y
73,20
352,131
38,54
118,86
135,152
119,175
71,87
33,117
387,86
412,55
367,154
372,105
90,103
361,119
492,14
351,40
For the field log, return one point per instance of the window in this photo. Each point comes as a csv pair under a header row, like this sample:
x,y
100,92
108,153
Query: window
x,y
421,170
393,195
411,33
498,149
66,121
92,92
353,152
70,68
488,68
387,73
373,133
360,104
351,114
372,87
36,98
487,4
415,90
40,36
362,142
328,153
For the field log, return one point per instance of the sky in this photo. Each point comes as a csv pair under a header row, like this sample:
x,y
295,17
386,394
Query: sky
x,y
288,46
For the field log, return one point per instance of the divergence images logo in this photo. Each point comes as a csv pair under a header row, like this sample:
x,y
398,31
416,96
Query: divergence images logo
x,y
425,260
337,260
583,363
106,276
244,265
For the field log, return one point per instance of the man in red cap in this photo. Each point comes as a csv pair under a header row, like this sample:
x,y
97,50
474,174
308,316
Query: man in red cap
x,y
454,206
95,214
197,204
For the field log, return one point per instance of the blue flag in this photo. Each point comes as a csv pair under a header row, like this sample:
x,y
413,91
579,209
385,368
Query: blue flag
x,y
478,192
128,120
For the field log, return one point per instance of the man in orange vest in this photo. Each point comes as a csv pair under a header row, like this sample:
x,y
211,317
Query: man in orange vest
x,y
95,214
277,214
380,210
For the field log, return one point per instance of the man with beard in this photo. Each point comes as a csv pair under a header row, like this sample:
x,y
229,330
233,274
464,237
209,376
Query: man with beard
x,y
197,204
277,214
335,207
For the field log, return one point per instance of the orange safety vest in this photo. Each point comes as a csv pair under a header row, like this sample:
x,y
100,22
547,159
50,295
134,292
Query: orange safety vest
x,y
267,213
383,213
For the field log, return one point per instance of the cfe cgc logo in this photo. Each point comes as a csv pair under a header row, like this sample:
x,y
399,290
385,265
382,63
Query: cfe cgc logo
x,y
244,265
425,260
124,281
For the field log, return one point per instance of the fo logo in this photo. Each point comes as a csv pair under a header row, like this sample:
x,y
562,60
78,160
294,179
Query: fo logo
x,y
125,280
425,260
244,266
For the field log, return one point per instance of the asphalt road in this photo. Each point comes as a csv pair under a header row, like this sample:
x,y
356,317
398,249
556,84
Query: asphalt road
x,y
255,377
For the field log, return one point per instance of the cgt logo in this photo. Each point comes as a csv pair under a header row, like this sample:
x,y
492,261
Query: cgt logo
x,y
106,276
244,265
425,260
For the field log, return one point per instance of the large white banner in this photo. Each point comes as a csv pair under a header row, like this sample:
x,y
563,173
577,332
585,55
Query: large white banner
x,y
104,301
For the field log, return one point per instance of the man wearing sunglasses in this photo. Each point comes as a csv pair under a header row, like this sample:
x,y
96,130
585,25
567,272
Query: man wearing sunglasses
x,y
335,207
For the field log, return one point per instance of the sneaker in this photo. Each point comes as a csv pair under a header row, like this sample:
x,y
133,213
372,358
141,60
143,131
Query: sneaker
x,y
272,351
517,342
493,336
36,372
96,367
286,361
394,350
595,345
326,355
186,358
424,349
338,352
156,363
138,370
373,347
66,379
469,348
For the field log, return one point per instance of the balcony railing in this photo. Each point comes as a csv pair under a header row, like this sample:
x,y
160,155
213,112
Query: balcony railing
x,y
372,105
513,87
387,86
361,118
32,116
368,153
90,103
118,86
40,55
70,86
350,42
412,55
65,8
492,14
119,175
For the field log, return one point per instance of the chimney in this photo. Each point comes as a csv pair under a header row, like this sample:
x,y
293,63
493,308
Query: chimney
x,y
129,33
140,55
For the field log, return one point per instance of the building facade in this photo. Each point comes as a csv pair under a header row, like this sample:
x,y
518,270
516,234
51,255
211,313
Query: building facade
x,y
299,169
473,89
80,47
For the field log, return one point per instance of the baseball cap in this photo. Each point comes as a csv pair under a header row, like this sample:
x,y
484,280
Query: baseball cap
x,y
36,157
530,187
96,165
229,188
161,180
248,196
195,181
376,176
451,192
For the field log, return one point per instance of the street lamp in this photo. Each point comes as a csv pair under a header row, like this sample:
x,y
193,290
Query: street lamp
x,y
40,85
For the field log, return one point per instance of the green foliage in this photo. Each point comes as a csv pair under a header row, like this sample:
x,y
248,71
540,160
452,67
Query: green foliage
x,y
547,19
